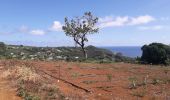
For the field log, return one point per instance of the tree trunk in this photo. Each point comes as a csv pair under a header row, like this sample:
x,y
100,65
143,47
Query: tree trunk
x,y
84,52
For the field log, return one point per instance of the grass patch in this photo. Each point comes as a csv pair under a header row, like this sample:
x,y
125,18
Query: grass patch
x,y
75,75
89,82
133,82
21,92
31,86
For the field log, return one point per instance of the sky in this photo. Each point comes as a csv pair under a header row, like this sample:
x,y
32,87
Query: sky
x,y
121,22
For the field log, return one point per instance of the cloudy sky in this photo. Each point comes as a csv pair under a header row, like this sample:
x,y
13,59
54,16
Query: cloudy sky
x,y
121,22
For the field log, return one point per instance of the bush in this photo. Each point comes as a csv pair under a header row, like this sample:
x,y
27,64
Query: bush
x,y
2,48
156,53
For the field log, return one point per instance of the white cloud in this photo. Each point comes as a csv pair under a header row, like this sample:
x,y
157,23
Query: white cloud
x,y
57,26
141,20
26,30
110,21
157,27
106,19
37,32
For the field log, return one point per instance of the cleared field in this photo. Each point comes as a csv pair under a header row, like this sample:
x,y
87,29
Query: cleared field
x,y
114,81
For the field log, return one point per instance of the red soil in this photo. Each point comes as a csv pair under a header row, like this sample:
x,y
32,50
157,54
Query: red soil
x,y
6,91
105,81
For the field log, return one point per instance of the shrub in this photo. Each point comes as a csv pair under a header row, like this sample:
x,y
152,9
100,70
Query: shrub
x,y
156,53
2,48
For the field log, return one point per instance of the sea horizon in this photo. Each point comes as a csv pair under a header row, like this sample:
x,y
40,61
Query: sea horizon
x,y
129,51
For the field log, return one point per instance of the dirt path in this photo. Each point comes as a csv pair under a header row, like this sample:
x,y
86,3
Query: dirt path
x,y
6,93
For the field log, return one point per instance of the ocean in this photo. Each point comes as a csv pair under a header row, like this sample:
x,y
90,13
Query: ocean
x,y
130,51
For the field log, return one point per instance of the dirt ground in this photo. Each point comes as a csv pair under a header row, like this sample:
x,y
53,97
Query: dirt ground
x,y
114,81
6,92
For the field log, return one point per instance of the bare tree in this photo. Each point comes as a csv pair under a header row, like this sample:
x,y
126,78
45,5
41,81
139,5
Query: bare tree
x,y
80,27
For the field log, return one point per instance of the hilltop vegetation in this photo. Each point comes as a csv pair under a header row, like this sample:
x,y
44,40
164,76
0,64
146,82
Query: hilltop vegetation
x,y
58,53
156,53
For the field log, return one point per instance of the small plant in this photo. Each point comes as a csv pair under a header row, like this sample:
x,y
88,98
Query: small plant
x,y
75,75
155,81
109,77
52,91
145,80
133,81
31,97
23,93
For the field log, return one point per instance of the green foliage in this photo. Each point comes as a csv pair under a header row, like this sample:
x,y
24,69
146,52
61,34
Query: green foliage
x,y
95,55
75,75
56,53
156,53
2,48
80,27
24,94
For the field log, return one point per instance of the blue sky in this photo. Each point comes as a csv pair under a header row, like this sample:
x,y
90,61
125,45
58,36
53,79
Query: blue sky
x,y
121,22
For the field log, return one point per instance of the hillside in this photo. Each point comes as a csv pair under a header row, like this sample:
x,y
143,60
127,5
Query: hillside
x,y
57,53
